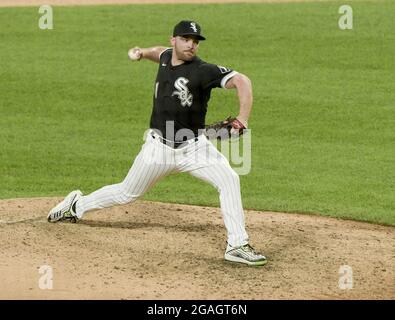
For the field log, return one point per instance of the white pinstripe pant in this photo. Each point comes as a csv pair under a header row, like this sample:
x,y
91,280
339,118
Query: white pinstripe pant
x,y
156,160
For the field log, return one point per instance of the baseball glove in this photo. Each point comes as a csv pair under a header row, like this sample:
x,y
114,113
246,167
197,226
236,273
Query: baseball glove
x,y
225,129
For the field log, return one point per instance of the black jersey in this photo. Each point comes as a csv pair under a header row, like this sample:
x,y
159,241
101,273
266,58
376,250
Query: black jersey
x,y
182,92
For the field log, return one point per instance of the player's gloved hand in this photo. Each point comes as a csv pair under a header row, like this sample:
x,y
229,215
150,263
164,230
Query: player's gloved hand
x,y
229,128
238,126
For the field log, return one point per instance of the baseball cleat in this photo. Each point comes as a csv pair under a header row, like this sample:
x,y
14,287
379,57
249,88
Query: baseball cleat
x,y
244,254
64,210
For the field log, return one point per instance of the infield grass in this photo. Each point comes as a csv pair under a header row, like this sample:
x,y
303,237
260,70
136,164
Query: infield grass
x,y
74,108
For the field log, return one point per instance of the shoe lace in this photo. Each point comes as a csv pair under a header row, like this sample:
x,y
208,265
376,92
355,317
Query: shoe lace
x,y
248,248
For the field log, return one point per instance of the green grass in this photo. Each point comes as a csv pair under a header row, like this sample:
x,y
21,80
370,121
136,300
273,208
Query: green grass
x,y
74,108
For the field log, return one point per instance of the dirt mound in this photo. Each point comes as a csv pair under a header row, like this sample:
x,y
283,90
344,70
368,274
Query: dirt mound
x,y
152,250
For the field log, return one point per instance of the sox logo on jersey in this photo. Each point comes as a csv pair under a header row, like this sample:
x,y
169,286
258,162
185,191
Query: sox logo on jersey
x,y
183,92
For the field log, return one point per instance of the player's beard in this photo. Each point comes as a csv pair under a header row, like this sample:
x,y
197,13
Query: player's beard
x,y
184,55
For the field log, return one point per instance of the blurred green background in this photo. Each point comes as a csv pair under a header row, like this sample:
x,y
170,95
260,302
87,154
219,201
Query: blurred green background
x,y
74,108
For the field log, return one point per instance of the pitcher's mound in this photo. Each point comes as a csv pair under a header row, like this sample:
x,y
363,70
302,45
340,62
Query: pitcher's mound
x,y
152,250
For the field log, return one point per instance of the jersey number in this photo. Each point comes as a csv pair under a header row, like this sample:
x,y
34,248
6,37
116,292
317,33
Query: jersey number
x,y
156,89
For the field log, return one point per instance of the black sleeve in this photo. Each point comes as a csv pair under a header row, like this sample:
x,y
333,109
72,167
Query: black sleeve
x,y
214,76
165,55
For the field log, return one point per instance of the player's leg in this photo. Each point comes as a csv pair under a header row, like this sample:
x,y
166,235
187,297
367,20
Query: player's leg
x,y
219,173
151,164
208,164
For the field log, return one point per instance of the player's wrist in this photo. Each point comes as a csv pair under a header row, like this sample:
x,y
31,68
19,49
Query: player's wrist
x,y
243,120
141,53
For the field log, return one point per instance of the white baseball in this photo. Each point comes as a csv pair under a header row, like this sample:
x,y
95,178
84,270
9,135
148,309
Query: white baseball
x,y
134,54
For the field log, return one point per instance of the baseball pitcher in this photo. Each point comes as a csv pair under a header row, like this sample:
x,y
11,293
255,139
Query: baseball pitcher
x,y
176,139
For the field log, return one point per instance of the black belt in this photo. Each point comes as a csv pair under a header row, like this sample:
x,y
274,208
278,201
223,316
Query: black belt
x,y
172,144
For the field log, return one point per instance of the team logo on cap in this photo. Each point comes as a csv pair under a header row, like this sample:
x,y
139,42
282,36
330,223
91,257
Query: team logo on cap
x,y
193,26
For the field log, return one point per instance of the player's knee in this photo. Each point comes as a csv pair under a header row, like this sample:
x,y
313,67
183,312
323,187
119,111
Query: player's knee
x,y
230,179
125,196
234,177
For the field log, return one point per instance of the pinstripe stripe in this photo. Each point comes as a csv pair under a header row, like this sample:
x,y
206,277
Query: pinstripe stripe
x,y
137,177
232,205
227,200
